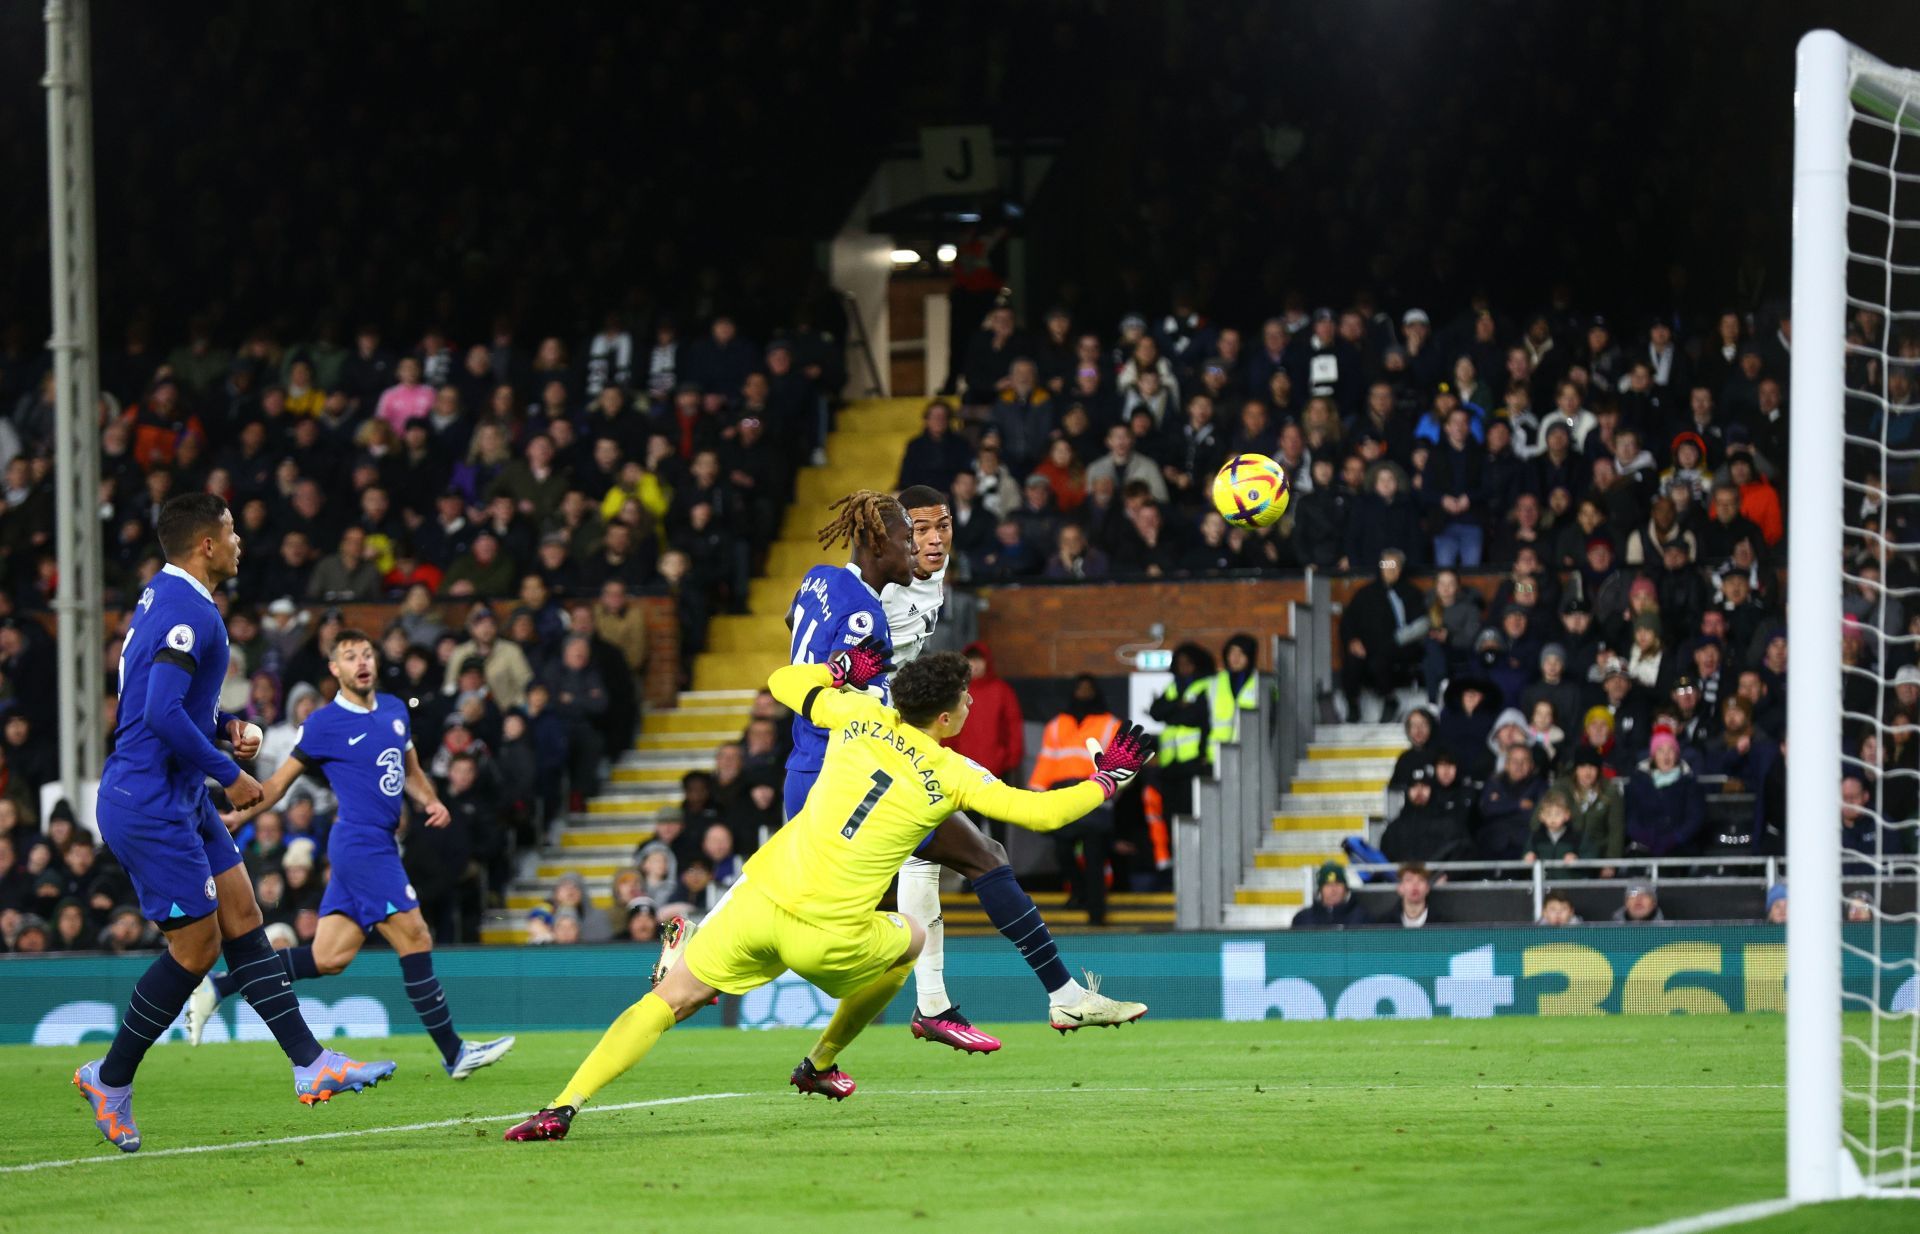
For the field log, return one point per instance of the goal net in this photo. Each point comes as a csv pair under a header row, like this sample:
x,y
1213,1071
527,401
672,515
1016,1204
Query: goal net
x,y
1853,726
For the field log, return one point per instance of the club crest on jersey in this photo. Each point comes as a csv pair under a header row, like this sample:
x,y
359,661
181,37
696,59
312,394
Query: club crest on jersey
x,y
210,894
399,729
180,638
860,623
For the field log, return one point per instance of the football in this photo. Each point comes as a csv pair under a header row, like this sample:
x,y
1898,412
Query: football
x,y
1251,491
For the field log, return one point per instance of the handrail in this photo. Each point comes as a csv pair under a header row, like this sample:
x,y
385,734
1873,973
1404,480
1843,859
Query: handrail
x,y
857,335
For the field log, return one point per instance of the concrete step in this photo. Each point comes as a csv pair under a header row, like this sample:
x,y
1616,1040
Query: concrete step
x,y
732,633
1307,841
794,558
587,867
695,720
1259,916
738,671
690,758
651,743
1347,786
1059,917
1367,804
1310,770
1277,896
773,596
715,698
604,838
1318,751
1314,820
1360,734
636,799
1295,859
1266,878
659,773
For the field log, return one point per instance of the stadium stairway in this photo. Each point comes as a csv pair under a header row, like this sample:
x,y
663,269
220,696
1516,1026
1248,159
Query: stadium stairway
x,y
1338,790
863,451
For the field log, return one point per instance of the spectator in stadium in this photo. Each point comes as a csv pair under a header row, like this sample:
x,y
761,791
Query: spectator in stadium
x,y
994,736
1081,850
1415,910
1507,805
1425,830
1334,905
1642,906
937,454
1664,802
1451,487
1419,727
1381,633
1384,517
1074,558
503,664
1466,721
1121,465
1777,904
1557,910
1553,838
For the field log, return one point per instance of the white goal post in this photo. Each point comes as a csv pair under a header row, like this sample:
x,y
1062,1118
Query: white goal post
x,y
1852,1051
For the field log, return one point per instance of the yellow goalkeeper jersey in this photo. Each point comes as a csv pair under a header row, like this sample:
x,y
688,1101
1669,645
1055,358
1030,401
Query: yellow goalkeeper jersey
x,y
883,786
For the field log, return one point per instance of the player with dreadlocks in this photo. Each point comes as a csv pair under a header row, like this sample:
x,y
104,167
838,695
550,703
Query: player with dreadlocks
x,y
902,550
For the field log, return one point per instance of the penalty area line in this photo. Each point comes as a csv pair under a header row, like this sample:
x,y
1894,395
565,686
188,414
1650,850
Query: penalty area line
x,y
31,1166
1739,1214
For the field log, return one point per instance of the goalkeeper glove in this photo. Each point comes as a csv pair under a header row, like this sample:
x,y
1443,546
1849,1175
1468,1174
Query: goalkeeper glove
x,y
860,664
1115,766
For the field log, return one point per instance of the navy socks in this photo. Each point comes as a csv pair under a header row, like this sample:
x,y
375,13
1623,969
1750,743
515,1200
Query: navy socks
x,y
1015,915
430,1002
298,961
155,1004
258,972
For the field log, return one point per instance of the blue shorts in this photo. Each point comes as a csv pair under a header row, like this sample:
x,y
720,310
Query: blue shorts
x,y
366,882
172,862
794,795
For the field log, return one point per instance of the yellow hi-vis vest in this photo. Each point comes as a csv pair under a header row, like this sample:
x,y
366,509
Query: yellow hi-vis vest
x,y
1179,743
1227,706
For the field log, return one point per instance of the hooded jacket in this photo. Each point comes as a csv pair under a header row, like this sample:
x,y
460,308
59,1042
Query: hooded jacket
x,y
994,736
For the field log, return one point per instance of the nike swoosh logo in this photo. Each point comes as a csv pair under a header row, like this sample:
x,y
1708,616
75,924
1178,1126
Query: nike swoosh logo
x,y
354,741
1075,1016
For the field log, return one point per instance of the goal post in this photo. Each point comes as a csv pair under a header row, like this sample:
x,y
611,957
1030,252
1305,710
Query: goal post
x,y
1821,122
1853,1029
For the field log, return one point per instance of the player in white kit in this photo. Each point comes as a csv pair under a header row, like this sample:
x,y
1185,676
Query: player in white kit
x,y
959,845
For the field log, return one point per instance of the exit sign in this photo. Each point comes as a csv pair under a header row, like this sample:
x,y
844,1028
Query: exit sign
x,y
1157,661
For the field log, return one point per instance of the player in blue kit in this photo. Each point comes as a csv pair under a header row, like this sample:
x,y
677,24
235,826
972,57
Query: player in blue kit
x,y
838,606
362,742
156,816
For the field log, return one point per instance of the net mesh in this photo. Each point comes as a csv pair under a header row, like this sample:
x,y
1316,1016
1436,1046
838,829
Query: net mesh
x,y
1879,707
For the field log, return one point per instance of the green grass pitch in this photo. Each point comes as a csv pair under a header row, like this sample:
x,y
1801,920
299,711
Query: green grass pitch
x,y
1543,1126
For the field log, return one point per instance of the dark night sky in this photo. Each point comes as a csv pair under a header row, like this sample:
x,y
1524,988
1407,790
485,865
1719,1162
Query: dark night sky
x,y
279,161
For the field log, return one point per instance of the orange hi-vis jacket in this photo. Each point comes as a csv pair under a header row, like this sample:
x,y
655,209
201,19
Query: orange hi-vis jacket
x,y
1063,748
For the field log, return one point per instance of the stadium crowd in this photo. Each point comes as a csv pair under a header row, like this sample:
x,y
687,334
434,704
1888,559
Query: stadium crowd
x,y
538,488
1573,524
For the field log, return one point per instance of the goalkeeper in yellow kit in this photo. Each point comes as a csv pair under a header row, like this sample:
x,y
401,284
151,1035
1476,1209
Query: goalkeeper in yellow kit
x,y
806,901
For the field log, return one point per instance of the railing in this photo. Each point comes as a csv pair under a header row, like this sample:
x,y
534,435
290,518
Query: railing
x,y
1234,806
1710,887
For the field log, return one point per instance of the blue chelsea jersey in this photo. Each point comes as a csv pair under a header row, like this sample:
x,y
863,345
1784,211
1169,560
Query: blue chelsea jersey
x,y
834,608
175,622
363,754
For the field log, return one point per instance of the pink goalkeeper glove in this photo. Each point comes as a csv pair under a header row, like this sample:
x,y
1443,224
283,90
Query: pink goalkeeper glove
x,y
860,664
1115,767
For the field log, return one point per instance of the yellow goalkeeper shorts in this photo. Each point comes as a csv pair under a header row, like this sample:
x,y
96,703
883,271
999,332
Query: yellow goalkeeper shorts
x,y
749,940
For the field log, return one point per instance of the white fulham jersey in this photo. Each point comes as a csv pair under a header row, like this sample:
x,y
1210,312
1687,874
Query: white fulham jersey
x,y
911,613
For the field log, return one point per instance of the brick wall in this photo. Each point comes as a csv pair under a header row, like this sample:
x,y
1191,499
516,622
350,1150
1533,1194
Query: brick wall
x,y
1057,631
